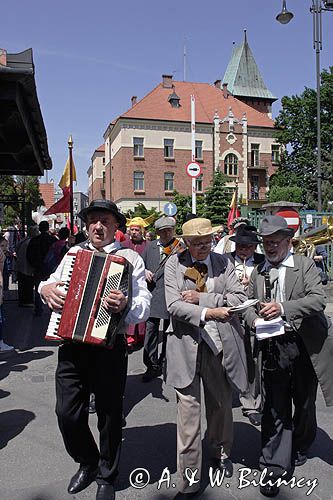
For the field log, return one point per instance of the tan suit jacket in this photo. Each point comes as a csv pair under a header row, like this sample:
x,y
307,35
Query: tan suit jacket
x,y
182,345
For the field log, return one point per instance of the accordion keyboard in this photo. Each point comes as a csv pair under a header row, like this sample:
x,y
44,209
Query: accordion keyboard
x,y
66,275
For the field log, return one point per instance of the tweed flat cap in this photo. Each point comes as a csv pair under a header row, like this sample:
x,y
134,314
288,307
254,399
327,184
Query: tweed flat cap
x,y
164,223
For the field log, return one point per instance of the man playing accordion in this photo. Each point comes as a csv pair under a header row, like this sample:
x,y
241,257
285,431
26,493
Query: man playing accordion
x,y
84,368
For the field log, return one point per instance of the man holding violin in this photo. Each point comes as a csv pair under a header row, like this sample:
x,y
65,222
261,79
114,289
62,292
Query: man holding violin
x,y
155,256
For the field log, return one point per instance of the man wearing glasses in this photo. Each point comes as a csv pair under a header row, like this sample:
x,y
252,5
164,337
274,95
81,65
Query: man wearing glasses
x,y
294,361
205,344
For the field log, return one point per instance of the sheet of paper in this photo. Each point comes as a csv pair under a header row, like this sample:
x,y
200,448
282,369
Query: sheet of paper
x,y
269,329
244,305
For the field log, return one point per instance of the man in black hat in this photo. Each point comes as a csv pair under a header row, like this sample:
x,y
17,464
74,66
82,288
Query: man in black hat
x,y
294,361
84,368
245,259
154,256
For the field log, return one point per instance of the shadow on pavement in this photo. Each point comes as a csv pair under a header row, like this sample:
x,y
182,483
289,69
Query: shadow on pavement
x,y
136,391
12,423
17,361
322,447
155,449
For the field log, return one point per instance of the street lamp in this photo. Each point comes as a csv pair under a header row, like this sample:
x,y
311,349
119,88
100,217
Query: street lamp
x,y
284,17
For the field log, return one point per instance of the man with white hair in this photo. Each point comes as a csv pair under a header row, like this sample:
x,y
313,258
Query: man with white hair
x,y
205,344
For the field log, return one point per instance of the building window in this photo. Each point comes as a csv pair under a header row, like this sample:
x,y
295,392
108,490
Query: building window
x,y
275,153
255,157
138,147
103,160
231,165
255,187
198,184
169,181
168,148
198,150
139,181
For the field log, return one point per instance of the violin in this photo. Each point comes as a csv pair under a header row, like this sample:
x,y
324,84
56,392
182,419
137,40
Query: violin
x,y
169,249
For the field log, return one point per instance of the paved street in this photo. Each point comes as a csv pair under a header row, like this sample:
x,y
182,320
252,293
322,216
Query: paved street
x,y
35,465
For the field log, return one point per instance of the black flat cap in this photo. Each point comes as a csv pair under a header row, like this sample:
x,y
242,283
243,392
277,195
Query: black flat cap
x,y
105,205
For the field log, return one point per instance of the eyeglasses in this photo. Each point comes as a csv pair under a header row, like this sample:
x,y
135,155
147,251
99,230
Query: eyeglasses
x,y
202,245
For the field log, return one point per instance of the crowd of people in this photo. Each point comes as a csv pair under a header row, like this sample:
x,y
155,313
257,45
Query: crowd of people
x,y
206,294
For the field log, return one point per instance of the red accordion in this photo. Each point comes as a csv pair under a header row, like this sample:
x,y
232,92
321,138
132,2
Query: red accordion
x,y
89,277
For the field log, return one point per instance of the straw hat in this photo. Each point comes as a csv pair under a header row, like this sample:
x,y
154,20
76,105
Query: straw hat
x,y
198,227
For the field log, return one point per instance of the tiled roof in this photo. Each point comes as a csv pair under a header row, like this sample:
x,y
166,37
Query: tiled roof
x,y
101,148
47,193
208,100
243,76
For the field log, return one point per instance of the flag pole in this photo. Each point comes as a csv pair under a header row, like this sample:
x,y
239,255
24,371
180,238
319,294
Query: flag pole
x,y
71,204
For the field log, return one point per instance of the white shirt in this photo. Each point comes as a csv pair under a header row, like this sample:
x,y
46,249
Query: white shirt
x,y
140,306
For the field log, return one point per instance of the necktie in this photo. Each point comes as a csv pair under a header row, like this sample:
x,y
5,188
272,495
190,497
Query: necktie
x,y
198,274
274,279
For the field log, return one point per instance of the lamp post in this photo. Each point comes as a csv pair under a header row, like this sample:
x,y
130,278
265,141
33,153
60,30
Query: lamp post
x,y
284,17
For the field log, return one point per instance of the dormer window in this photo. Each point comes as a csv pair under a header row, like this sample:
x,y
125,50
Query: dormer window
x,y
174,100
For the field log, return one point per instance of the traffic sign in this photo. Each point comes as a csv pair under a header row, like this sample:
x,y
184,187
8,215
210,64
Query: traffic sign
x,y
170,209
292,217
193,169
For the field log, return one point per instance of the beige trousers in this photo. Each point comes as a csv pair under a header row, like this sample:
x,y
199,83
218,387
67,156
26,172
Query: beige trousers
x,y
218,401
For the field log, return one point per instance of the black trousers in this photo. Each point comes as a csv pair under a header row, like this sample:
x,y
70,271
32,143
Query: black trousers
x,y
82,369
288,379
150,351
25,289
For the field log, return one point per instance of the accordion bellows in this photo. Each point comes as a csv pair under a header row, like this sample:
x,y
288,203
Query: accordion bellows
x,y
89,277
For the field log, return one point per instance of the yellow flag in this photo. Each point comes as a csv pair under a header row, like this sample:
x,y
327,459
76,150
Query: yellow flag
x,y
65,179
233,202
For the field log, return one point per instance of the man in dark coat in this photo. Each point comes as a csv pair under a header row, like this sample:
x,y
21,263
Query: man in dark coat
x,y
154,256
294,361
245,259
36,253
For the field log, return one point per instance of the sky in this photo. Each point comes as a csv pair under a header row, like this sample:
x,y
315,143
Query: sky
x,y
91,57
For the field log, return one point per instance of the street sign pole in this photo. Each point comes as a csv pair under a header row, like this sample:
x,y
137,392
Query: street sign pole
x,y
194,200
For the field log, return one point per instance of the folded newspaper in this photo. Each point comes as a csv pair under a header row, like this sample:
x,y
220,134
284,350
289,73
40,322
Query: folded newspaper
x,y
244,305
269,329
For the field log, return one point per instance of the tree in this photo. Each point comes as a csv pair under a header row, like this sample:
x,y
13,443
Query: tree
x,y
15,190
217,200
297,132
284,185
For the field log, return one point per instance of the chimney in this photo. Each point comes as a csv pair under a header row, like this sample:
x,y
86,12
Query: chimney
x,y
133,99
217,84
225,90
167,81
3,57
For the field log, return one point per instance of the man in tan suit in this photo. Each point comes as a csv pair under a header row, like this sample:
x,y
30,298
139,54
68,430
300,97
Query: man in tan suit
x,y
206,343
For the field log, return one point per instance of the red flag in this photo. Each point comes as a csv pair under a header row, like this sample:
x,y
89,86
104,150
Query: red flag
x,y
234,212
61,206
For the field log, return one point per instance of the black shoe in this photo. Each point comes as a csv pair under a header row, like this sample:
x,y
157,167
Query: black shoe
x,y
92,407
105,492
151,373
269,491
255,418
299,459
84,476
185,495
225,465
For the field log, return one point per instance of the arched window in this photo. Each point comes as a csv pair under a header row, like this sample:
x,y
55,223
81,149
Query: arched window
x,y
231,165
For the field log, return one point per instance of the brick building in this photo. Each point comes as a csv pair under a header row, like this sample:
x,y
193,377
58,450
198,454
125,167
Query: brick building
x,y
96,175
148,147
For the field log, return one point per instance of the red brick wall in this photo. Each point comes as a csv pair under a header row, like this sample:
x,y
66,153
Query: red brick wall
x,y
154,166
